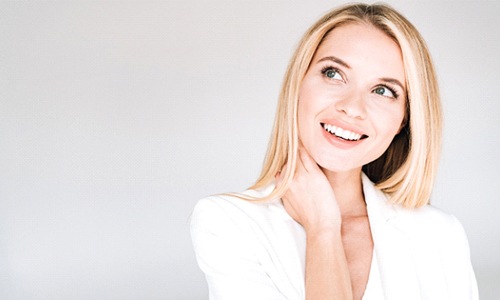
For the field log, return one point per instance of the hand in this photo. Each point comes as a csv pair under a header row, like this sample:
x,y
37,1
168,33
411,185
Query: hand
x,y
310,199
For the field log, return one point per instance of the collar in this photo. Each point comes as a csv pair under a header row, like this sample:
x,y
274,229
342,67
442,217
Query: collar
x,y
377,203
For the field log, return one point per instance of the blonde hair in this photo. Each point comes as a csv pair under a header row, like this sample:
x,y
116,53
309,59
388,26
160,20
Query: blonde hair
x,y
407,169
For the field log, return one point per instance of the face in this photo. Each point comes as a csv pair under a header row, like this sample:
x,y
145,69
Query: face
x,y
352,98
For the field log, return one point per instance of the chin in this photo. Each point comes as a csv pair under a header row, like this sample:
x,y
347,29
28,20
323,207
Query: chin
x,y
336,165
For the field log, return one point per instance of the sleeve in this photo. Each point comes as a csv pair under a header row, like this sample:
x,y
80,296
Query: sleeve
x,y
460,274
224,251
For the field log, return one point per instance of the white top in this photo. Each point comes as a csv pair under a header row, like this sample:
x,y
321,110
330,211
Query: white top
x,y
251,250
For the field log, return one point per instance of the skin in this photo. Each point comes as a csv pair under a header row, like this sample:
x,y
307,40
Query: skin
x,y
326,195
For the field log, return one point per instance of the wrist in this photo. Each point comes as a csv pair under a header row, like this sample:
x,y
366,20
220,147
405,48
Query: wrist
x,y
331,229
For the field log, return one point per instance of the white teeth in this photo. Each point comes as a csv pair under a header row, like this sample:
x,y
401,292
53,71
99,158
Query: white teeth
x,y
346,134
343,133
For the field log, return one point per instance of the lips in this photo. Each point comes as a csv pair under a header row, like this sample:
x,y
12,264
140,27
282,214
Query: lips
x,y
343,133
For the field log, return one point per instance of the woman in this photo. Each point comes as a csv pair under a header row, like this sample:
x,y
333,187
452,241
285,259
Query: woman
x,y
341,209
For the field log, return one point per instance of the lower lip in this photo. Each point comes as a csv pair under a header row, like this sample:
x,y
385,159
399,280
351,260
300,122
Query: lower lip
x,y
339,142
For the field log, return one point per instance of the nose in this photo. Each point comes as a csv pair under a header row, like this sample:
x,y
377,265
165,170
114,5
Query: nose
x,y
352,104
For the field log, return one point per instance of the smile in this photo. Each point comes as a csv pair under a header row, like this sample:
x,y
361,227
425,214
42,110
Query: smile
x,y
343,133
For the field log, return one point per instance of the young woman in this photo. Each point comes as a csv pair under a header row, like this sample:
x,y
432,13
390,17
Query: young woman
x,y
341,209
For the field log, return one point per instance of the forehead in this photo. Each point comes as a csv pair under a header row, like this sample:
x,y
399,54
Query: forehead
x,y
363,46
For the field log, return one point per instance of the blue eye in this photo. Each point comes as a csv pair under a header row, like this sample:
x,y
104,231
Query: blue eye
x,y
385,91
332,73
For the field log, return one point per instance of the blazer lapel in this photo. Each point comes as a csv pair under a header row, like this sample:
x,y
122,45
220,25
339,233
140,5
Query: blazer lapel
x,y
394,252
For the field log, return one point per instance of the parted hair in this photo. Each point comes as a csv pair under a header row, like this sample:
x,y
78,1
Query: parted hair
x,y
406,170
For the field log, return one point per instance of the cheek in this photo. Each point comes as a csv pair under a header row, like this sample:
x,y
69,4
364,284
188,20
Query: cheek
x,y
392,115
387,120
303,120
392,125
305,111
307,125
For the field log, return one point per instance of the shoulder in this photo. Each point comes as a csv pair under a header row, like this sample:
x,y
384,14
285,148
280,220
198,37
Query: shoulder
x,y
222,226
434,227
439,239
237,245
220,211
428,217
426,222
217,212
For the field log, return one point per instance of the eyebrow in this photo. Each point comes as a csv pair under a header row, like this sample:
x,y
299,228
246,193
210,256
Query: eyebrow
x,y
335,59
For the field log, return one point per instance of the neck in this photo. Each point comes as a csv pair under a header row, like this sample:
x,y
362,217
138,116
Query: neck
x,y
348,190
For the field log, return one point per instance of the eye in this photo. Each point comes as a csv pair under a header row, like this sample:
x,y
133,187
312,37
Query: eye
x,y
332,73
386,92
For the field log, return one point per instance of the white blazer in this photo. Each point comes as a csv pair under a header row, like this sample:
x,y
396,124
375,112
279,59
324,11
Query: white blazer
x,y
256,251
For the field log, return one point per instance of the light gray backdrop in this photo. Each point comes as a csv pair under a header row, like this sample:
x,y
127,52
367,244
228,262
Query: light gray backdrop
x,y
115,117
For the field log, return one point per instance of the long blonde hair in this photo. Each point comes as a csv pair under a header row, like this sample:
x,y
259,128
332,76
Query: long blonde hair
x,y
407,169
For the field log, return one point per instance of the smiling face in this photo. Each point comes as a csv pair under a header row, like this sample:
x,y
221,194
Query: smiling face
x,y
352,98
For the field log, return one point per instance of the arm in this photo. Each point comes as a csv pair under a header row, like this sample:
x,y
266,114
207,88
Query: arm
x,y
311,202
327,274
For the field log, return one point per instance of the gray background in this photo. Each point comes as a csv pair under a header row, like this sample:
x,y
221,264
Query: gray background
x,y
115,117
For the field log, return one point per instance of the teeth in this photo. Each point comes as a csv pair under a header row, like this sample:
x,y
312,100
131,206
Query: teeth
x,y
343,133
346,134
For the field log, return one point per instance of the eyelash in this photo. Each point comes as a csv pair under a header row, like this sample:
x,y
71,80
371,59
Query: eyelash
x,y
332,68
328,68
393,91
